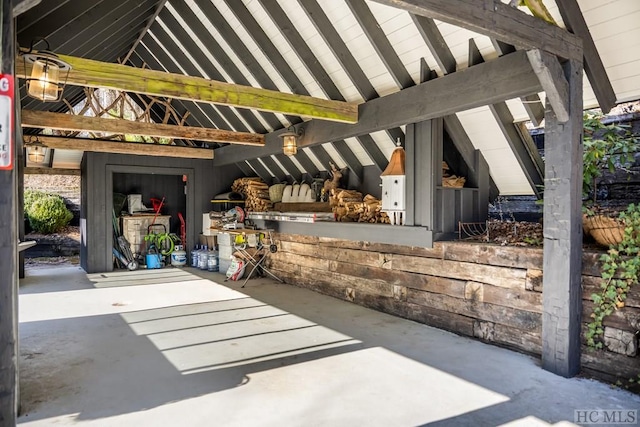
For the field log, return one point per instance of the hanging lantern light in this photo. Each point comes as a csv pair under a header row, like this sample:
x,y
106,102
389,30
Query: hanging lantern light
x,y
290,141
48,74
36,152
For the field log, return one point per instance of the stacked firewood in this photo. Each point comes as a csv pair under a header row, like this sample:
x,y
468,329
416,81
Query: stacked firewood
x,y
255,192
371,211
349,206
451,180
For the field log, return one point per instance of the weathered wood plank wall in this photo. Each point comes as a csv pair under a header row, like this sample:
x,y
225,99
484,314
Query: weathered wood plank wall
x,y
493,293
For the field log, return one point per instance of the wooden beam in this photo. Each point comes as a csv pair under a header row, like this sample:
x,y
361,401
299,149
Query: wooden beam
x,y
61,121
593,66
555,85
495,19
51,171
562,253
117,147
475,86
90,73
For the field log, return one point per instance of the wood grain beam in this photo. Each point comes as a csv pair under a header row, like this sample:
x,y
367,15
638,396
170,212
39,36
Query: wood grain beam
x,y
119,147
90,73
476,86
553,81
496,19
51,171
60,121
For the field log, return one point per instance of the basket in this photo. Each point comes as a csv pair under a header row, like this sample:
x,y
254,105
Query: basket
x,y
275,192
604,230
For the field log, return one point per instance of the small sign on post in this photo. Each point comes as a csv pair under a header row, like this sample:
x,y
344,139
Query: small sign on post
x,y
6,121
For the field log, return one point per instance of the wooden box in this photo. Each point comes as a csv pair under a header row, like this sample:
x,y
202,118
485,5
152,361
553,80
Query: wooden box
x,y
135,227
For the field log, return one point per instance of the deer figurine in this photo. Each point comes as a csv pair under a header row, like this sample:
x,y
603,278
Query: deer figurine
x,y
333,183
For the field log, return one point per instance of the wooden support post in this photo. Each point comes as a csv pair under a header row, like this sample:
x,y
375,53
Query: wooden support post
x,y
562,263
423,168
8,246
484,187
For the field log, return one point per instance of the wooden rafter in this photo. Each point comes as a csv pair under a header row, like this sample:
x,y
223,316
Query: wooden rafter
x,y
496,19
51,171
593,66
118,147
90,73
60,121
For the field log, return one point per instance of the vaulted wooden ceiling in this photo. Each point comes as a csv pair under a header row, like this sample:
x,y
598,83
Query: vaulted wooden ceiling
x,y
353,50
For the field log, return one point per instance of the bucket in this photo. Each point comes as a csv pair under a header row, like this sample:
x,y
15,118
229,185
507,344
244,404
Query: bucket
x,y
178,258
153,261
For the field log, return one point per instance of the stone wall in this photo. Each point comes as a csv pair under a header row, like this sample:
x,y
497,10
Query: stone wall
x,y
490,292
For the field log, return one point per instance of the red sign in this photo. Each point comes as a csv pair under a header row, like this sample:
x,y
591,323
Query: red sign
x,y
6,121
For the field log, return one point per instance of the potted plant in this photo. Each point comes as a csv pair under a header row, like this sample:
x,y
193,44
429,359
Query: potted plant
x,y
607,146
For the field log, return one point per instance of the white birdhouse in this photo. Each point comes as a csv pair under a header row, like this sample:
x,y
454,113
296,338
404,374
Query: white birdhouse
x,y
393,187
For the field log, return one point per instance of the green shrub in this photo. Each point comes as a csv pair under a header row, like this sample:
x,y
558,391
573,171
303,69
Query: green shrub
x,y
31,196
47,214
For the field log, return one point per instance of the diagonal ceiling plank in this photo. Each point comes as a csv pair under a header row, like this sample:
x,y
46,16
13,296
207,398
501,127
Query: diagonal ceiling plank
x,y
306,162
276,170
495,19
436,43
342,53
245,168
288,165
380,43
179,34
90,73
232,39
260,170
593,66
315,68
119,147
521,144
59,121
210,43
176,61
143,32
285,70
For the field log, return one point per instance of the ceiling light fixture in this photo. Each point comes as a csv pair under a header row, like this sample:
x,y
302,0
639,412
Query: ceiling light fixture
x,y
290,141
36,151
45,83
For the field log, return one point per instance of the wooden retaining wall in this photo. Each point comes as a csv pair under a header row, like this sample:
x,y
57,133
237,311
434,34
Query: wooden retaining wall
x,y
490,292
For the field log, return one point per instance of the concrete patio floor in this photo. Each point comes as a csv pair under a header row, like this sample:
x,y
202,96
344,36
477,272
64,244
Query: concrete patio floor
x,y
179,348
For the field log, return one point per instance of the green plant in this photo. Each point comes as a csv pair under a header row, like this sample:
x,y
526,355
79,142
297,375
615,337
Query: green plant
x,y
620,271
31,196
48,214
606,146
